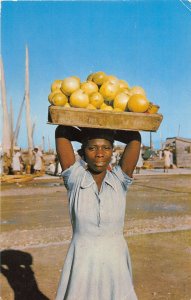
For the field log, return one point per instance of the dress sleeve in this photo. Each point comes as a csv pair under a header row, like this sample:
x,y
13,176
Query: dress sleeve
x,y
123,178
71,175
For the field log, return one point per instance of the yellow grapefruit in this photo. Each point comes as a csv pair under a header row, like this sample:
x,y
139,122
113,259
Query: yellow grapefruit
x,y
76,78
96,99
70,85
109,90
137,90
67,105
117,109
51,95
79,99
107,107
99,77
112,78
90,77
138,103
125,91
59,99
103,105
56,85
89,87
121,101
123,85
90,106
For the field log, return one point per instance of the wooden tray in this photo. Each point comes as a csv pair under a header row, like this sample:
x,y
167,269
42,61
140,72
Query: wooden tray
x,y
103,119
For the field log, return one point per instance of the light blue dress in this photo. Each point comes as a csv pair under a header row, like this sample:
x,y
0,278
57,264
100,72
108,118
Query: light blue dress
x,y
97,265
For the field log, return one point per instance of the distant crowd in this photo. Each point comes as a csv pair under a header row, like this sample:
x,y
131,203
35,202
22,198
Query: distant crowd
x,y
17,165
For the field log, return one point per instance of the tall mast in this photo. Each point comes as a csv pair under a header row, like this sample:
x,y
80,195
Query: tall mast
x,y
27,101
11,116
33,128
18,124
6,126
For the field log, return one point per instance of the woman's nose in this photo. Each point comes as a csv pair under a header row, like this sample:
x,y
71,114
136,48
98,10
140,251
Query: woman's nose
x,y
99,152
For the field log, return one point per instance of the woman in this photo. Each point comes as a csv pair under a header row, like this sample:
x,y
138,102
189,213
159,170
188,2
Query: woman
x,y
97,266
38,160
167,159
17,161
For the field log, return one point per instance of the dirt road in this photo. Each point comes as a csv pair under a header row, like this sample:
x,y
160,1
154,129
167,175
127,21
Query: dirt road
x,y
36,233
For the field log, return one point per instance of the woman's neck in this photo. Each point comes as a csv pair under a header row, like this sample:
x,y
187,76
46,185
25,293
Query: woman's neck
x,y
98,177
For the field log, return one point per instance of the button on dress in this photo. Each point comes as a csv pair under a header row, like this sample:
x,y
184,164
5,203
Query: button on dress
x,y
97,265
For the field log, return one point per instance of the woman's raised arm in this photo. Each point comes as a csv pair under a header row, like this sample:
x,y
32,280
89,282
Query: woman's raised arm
x,y
130,156
64,135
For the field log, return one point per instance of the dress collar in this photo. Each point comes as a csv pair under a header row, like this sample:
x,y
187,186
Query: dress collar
x,y
88,180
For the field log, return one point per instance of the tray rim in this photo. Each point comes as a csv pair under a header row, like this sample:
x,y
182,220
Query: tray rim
x,y
157,116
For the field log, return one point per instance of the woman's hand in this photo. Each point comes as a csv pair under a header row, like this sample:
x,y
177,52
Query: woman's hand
x,y
73,134
126,137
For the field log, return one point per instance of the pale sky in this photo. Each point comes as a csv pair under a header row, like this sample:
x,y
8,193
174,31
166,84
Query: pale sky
x,y
147,43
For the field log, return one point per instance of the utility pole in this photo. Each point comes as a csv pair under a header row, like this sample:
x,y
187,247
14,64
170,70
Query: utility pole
x,y
178,130
151,142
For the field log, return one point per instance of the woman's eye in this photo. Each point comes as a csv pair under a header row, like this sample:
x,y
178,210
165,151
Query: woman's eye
x,y
91,148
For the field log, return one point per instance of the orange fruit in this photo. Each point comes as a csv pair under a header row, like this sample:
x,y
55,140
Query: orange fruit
x,y
67,105
123,85
90,106
96,99
51,95
138,103
103,105
106,107
117,109
79,99
137,90
89,87
90,77
121,101
109,90
112,78
70,85
56,85
99,77
59,99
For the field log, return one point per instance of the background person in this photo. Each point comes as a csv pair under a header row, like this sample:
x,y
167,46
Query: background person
x,y
17,161
38,160
97,265
167,159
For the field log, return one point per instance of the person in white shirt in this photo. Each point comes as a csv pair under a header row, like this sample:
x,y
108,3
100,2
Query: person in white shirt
x,y
38,160
17,161
167,159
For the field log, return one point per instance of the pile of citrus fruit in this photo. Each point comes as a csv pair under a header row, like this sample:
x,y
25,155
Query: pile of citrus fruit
x,y
100,91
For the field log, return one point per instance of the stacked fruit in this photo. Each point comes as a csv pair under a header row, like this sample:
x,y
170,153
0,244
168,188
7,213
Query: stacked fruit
x,y
99,91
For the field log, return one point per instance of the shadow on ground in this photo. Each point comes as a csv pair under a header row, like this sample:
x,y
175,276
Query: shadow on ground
x,y
16,267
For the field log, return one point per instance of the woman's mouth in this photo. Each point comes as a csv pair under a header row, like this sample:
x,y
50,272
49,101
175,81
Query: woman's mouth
x,y
100,163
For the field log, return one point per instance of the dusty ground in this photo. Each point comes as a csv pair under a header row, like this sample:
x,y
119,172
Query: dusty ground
x,y
36,233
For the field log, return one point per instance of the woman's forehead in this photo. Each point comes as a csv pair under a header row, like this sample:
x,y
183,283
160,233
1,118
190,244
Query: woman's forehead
x,y
98,142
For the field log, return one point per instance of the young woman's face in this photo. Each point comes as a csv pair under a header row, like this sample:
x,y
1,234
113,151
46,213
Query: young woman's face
x,y
98,154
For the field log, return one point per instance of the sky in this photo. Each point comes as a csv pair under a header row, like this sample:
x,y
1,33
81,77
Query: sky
x,y
147,43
